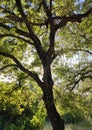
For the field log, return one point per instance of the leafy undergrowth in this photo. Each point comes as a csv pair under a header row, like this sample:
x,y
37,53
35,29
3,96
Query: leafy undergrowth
x,y
78,126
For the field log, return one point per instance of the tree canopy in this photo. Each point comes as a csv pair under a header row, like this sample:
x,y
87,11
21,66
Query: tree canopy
x,y
50,42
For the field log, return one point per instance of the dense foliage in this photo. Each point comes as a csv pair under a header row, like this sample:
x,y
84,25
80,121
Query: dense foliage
x,y
75,106
20,108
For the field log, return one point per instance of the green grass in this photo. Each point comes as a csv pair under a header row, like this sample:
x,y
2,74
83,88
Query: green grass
x,y
79,126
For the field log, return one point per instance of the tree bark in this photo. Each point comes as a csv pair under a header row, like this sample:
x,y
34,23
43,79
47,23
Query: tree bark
x,y
48,98
56,121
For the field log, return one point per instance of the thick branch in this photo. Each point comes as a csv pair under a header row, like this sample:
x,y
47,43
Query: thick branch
x,y
4,26
72,18
19,65
50,20
12,16
35,39
21,32
21,38
47,10
51,4
19,6
20,20
24,17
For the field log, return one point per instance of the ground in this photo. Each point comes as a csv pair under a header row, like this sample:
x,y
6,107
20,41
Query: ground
x,y
78,126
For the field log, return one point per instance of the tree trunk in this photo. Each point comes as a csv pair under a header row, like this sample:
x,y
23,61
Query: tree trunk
x,y
56,121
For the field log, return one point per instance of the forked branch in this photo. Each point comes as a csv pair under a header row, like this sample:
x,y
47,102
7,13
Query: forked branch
x,y
10,65
22,68
72,18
